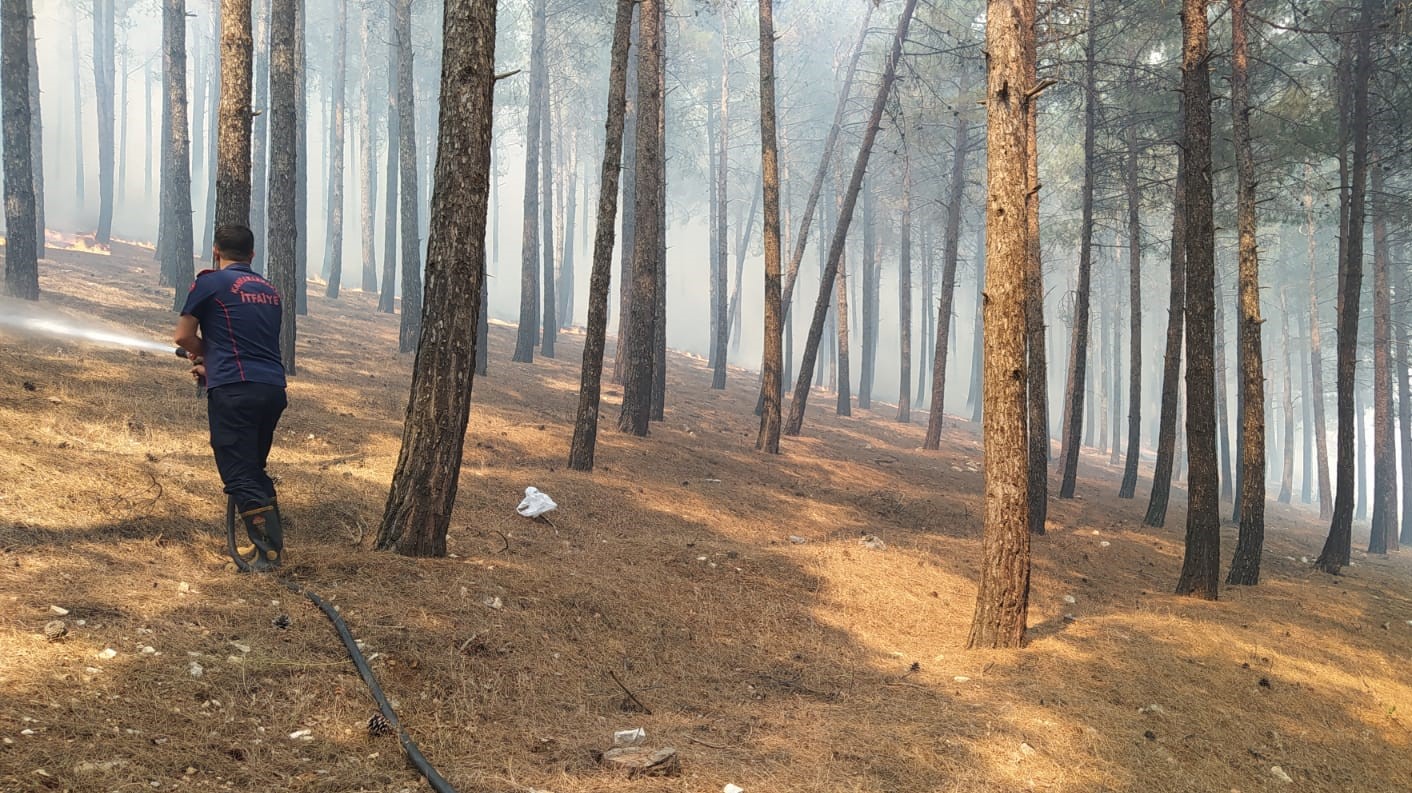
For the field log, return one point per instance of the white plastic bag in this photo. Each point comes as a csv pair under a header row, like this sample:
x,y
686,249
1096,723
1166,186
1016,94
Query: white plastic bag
x,y
535,503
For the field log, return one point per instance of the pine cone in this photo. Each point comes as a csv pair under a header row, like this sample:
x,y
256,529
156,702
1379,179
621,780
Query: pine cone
x,y
378,726
55,630
281,622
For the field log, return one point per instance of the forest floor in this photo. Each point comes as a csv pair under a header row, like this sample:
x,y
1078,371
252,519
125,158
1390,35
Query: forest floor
x,y
776,665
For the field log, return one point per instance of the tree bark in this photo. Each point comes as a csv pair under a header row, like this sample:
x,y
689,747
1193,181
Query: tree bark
x,y
950,253
233,145
638,373
928,331
80,124
978,335
177,236
387,298
1316,362
1230,485
333,247
564,312
549,327
840,235
1383,536
1404,398
1172,361
104,45
659,315
1306,420
719,310
285,82
1002,601
869,329
410,328
301,163
629,208
768,439
260,131
529,233
1078,340
843,395
367,161
904,294
1287,452
1200,576
423,494
21,254
1245,566
586,424
1337,546
36,135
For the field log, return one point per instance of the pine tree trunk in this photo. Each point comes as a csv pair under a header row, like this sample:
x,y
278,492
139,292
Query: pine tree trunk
x,y
122,122
1306,420
1116,389
928,332
211,177
977,340
844,397
1230,485
1078,341
36,135
1361,476
21,254
423,494
1287,453
868,318
301,163
367,163
638,372
1172,361
840,235
410,328
904,295
1338,545
1201,575
565,289
1002,600
719,310
1383,537
1404,397
549,322
1316,363
260,131
742,247
1037,394
768,439
333,245
659,315
80,124
104,46
529,233
285,83
178,236
951,245
586,424
629,209
388,297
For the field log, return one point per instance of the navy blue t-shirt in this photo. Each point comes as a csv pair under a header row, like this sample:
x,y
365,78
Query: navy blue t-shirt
x,y
240,314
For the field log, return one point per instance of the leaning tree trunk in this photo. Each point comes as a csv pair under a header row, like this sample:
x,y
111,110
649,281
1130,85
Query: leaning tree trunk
x,y
333,244
950,252
904,295
1245,567
104,46
21,255
840,235
1201,574
1383,537
1002,600
36,134
1078,341
768,439
410,328
638,372
529,232
388,297
285,82
1338,545
423,494
742,247
177,234
367,162
586,425
1172,362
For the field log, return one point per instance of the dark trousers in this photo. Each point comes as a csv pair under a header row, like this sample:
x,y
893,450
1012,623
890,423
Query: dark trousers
x,y
243,418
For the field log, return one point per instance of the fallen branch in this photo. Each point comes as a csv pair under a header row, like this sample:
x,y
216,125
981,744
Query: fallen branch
x,y
631,695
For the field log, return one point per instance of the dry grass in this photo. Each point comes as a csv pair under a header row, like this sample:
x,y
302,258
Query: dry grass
x,y
777,666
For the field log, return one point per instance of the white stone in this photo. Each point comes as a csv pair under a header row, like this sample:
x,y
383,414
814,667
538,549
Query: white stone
x,y
1279,773
107,653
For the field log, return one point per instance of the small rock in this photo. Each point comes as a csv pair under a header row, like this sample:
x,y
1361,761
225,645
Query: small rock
x,y
1279,773
961,679
93,768
244,648
640,761
107,653
149,650
796,539
302,735
492,602
1070,599
1104,544
196,670
55,630
1026,749
1150,735
732,789
183,587
1154,708
60,610
873,542
1070,618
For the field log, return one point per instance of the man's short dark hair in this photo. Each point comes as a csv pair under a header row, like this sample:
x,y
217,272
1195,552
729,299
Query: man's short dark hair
x,y
235,242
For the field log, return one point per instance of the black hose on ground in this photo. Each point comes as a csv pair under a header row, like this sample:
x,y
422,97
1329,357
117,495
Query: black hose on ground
x,y
419,760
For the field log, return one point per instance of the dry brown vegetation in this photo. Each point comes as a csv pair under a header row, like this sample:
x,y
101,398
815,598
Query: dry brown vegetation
x,y
773,665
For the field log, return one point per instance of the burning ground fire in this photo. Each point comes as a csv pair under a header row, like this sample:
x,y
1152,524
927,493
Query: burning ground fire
x,y
80,243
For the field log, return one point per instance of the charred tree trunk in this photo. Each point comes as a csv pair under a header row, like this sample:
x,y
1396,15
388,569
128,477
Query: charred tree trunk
x,y
951,244
387,298
1201,575
36,135
549,327
423,494
367,164
638,373
1037,389
1383,537
21,253
768,439
904,294
1245,567
301,162
104,46
1337,547
1078,341
840,236
1002,601
844,397
629,208
177,233
1172,362
659,315
586,425
529,235
410,328
285,82
333,247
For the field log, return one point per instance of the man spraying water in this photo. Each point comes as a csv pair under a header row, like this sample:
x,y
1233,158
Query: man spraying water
x,y
230,330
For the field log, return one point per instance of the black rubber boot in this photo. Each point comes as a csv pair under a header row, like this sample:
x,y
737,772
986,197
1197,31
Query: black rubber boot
x,y
262,524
